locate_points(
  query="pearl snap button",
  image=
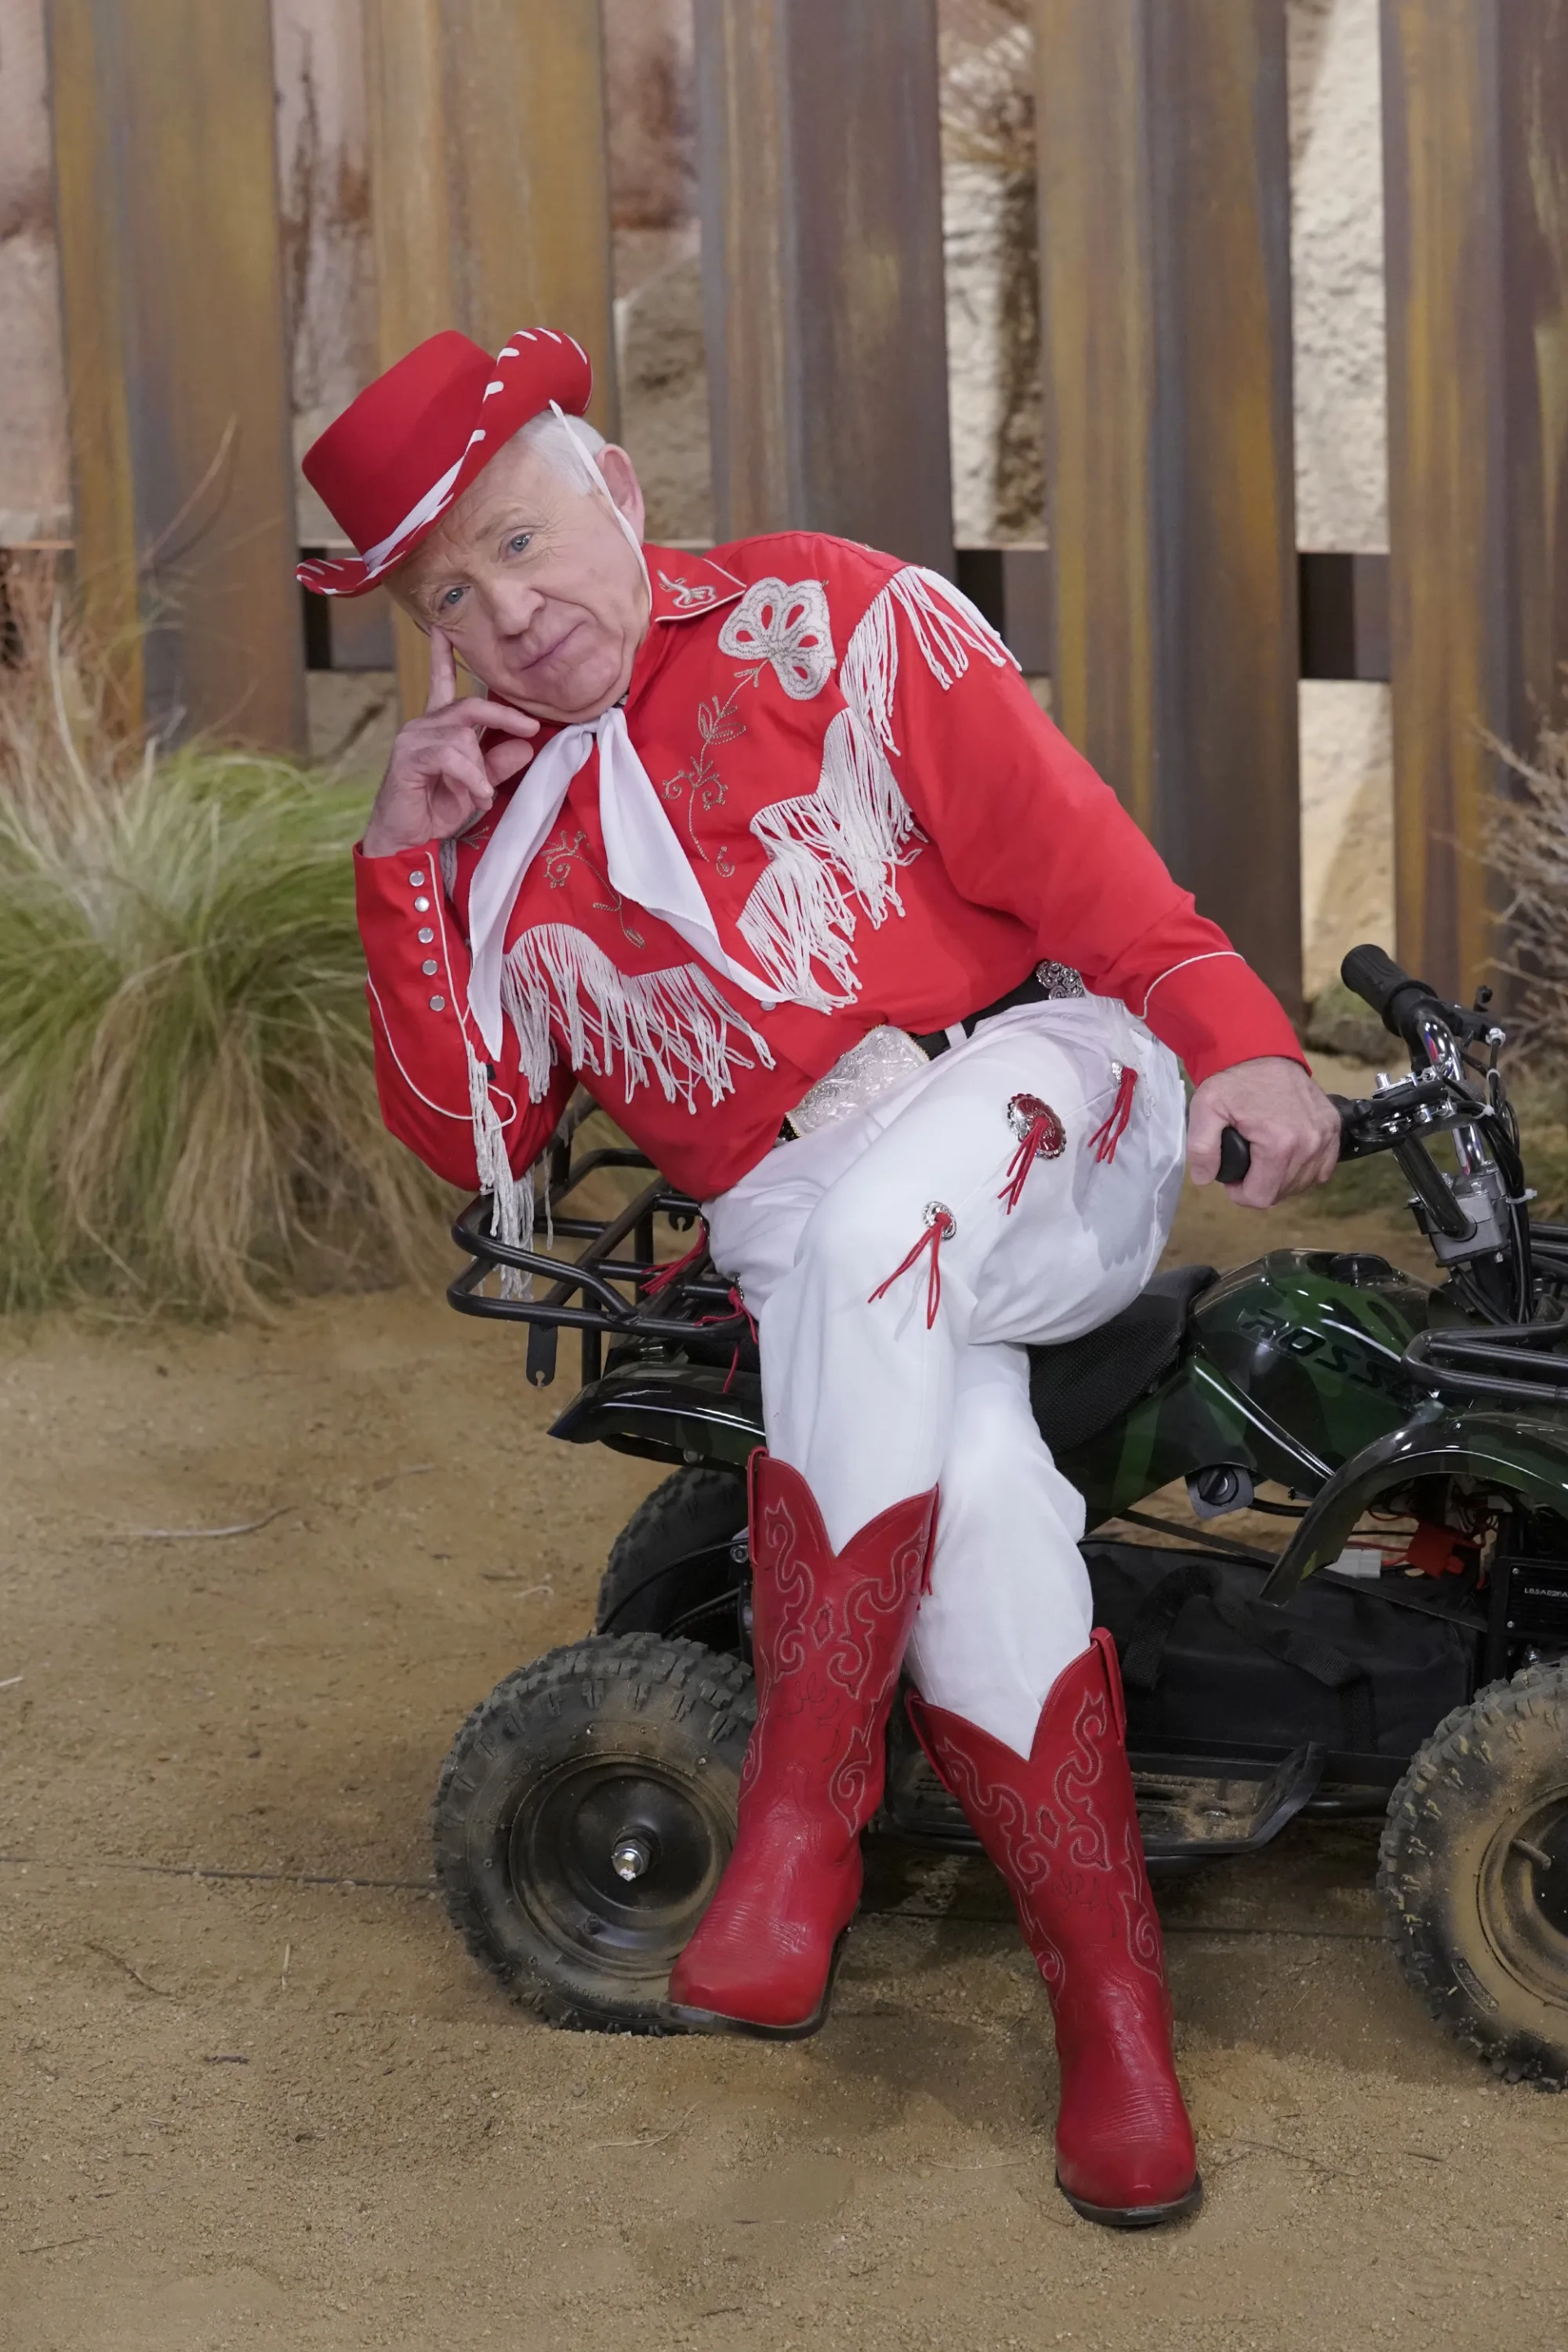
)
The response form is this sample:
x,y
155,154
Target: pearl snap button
x,y
429,966
417,878
438,1004
426,935
421,906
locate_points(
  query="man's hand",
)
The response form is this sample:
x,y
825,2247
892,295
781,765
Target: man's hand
x,y
437,779
1291,1125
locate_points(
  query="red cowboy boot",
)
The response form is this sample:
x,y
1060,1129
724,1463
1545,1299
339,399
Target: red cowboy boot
x,y
1063,1830
828,1632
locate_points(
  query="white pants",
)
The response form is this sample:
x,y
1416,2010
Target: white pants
x,y
870,1402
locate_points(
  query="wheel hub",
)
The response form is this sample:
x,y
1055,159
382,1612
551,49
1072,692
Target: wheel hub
x,y
617,1860
630,1856
1524,1898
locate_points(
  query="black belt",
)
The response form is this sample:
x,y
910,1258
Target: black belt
x,y
1047,980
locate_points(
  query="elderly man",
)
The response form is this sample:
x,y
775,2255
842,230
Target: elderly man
x,y
772,851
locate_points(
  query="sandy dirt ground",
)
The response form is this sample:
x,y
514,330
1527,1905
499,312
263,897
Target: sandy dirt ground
x,y
255,2094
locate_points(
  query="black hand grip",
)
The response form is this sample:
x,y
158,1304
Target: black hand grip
x,y
1235,1156
1400,1003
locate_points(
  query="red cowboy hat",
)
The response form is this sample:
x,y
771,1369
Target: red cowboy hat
x,y
414,440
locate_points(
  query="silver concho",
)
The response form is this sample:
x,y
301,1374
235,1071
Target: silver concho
x,y
1028,1111
1059,980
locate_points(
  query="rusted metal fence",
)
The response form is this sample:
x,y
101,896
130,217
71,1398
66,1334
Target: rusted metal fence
x,y
1169,609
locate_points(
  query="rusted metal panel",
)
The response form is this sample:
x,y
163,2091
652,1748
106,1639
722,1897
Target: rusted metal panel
x,y
167,207
1164,147
489,189
1475,158
821,174
1440,108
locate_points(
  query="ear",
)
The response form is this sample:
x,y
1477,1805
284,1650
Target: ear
x,y
621,480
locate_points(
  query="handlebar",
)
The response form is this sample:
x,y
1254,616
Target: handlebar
x,y
1400,1003
1235,1156
1404,1006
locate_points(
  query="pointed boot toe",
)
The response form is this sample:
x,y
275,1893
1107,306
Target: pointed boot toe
x,y
1061,1826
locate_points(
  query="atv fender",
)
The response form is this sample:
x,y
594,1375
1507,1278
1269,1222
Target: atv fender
x,y
1528,1457
668,1412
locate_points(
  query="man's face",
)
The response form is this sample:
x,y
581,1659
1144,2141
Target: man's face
x,y
536,585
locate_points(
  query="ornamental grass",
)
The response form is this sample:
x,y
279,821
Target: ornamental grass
x,y
187,1111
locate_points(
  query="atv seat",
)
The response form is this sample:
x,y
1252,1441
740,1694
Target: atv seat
x,y
1080,1386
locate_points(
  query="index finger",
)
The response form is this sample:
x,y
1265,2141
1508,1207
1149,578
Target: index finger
x,y
1205,1124
443,671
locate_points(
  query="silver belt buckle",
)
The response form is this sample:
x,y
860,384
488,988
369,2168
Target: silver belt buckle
x,y
883,1059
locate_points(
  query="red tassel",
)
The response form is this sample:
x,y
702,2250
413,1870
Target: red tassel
x,y
1107,1136
737,1306
665,1275
940,1225
1036,1134
1040,1136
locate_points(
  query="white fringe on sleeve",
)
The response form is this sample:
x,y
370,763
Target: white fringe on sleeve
x,y
512,1216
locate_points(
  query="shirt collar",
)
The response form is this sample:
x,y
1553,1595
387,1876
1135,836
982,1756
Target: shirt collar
x,y
686,585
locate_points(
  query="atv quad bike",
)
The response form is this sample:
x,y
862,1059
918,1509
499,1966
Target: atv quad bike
x,y
1404,1650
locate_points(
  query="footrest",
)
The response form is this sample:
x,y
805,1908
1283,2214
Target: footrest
x,y
1184,1814
1187,1816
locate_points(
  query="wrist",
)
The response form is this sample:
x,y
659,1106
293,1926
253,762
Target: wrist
x,y
382,841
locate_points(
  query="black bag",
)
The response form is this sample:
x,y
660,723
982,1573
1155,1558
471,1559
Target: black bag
x,y
1204,1660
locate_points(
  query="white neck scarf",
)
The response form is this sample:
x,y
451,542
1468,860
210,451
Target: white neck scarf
x,y
647,863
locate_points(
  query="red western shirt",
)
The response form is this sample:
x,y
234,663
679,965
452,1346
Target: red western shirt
x,y
885,826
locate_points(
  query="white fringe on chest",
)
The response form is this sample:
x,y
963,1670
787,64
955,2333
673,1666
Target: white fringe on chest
x,y
672,1028
829,850
841,846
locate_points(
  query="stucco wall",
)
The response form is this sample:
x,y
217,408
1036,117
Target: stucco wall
x,y
35,493
1341,461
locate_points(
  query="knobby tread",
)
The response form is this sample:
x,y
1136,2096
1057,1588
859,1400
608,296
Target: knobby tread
x,y
1466,1744
681,1674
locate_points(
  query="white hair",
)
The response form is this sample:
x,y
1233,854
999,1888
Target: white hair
x,y
570,447
559,439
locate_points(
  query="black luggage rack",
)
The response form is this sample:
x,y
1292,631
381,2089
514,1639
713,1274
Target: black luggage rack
x,y
696,1312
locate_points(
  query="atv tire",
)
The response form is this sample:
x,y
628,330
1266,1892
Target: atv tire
x,y
584,1817
672,1568
1474,1875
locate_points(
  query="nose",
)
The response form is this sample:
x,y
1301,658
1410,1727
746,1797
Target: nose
x,y
514,606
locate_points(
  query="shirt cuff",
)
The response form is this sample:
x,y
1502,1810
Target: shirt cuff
x,y
1215,1012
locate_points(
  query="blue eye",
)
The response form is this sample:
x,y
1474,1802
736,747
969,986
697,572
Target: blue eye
x,y
518,543
450,598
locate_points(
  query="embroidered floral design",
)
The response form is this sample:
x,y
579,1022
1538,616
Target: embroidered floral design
x,y
698,783
558,857
788,626
558,861
688,594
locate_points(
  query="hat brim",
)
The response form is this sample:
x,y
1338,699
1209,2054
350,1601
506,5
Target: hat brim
x,y
534,367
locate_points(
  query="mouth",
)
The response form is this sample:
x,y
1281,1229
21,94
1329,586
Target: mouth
x,y
537,661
